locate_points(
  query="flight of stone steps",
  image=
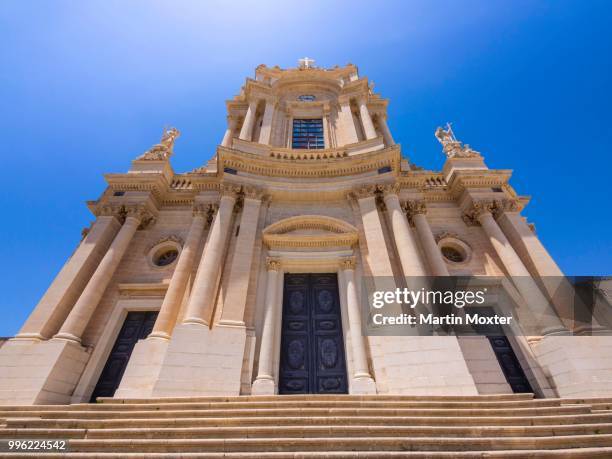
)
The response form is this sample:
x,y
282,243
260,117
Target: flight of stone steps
x,y
338,426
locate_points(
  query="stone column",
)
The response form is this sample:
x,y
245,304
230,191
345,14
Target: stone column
x,y
246,133
382,122
81,313
264,383
349,132
366,119
377,249
537,260
240,272
53,308
362,380
176,290
229,132
482,212
266,126
405,242
203,294
416,210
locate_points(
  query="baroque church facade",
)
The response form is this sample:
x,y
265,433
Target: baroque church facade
x,y
243,277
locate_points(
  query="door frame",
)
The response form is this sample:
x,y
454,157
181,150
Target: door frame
x,y
306,263
104,345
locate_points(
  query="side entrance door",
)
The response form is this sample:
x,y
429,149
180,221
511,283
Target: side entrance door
x,y
137,325
312,359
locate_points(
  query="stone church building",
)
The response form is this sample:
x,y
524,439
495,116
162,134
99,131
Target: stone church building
x,y
244,276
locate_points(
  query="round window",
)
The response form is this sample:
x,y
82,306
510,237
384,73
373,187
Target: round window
x,y
166,257
453,254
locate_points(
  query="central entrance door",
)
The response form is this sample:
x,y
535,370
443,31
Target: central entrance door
x,y
312,348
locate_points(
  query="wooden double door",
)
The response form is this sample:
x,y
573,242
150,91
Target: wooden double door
x,y
137,325
312,358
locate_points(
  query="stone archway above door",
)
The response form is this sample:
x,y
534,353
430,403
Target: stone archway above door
x,y
310,231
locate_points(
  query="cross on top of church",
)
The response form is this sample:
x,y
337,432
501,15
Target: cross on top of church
x,y
306,63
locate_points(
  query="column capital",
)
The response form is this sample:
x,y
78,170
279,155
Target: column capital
x,y
229,190
348,263
364,191
477,209
389,189
414,207
207,211
273,264
506,205
253,192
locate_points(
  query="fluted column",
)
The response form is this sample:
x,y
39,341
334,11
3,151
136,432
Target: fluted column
x,y
266,125
482,212
203,294
366,119
176,290
360,361
81,313
407,248
416,210
229,132
246,133
264,383
240,272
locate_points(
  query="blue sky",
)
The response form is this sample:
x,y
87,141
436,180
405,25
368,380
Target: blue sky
x,y
87,86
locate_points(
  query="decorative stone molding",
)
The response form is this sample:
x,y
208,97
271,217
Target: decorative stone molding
x,y
273,264
447,240
348,263
163,150
262,164
123,211
169,238
335,233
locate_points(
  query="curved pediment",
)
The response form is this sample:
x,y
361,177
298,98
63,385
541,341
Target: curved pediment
x,y
310,231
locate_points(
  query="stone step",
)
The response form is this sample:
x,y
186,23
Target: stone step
x,y
301,431
254,445
290,404
326,397
72,423
95,414
574,453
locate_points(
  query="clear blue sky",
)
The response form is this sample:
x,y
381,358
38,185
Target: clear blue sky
x,y
87,86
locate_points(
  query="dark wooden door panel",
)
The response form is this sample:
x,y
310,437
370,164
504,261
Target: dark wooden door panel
x,y
312,347
137,325
509,364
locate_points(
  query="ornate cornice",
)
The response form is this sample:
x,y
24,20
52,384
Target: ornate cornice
x,y
258,164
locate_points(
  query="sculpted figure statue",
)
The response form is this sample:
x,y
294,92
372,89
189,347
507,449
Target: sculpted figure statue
x,y
452,147
163,150
169,136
